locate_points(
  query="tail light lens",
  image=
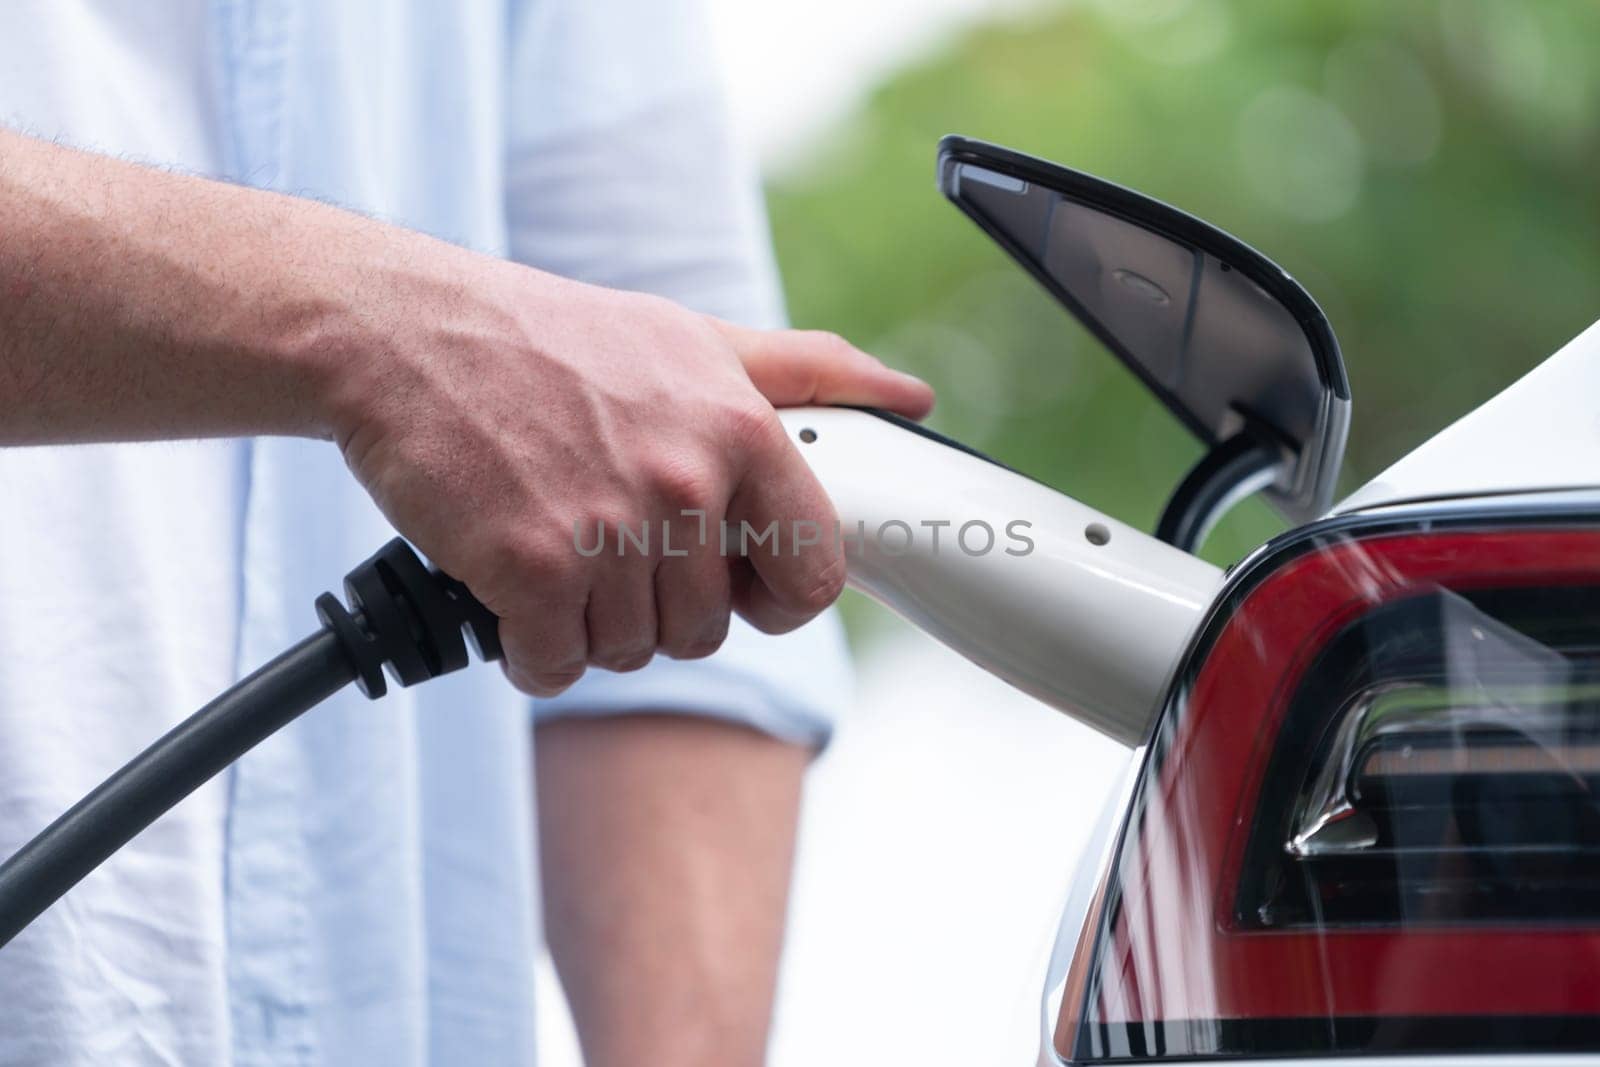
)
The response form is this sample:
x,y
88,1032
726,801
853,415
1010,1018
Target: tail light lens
x,y
1370,818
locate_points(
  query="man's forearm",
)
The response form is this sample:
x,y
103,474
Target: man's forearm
x,y
666,847
139,304
136,304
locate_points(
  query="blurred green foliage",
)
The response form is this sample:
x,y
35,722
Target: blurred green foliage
x,y
1426,169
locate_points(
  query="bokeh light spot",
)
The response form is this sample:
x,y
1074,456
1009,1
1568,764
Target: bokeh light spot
x,y
1300,155
1382,88
1174,32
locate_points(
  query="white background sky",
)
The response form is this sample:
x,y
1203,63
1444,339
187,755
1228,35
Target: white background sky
x,y
945,821
794,66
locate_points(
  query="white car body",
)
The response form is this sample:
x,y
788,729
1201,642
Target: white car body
x,y
1540,434
1536,443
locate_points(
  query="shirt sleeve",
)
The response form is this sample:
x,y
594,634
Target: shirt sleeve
x,y
623,170
789,687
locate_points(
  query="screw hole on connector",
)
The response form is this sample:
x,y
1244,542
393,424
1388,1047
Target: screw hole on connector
x,y
808,435
1097,533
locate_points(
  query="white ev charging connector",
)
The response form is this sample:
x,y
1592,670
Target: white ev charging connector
x,y
1067,604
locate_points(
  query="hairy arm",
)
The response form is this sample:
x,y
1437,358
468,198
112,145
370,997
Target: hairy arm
x,y
137,304
666,847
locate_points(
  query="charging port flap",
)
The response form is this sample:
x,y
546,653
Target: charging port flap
x,y
1222,335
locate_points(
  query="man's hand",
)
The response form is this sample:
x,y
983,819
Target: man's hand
x,y
505,416
491,410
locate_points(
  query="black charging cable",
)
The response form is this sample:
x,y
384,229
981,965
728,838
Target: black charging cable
x,y
402,615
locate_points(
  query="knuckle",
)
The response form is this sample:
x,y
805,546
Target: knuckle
x,y
700,645
543,567
549,683
699,649
518,677
753,427
832,345
536,679
637,660
529,653
550,567
599,531
684,483
690,644
772,623
825,584
628,657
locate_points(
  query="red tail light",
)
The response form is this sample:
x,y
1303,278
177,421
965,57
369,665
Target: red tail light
x,y
1370,819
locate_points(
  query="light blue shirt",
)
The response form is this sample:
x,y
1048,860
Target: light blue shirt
x,y
361,888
